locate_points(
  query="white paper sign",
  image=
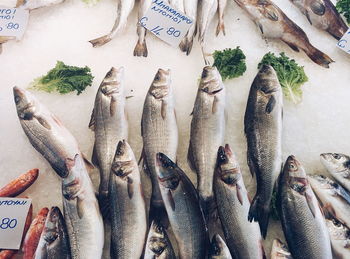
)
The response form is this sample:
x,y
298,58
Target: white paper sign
x,y
13,214
167,23
344,42
13,21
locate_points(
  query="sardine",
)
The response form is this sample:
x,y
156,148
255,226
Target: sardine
x,y
263,130
334,199
340,239
207,132
109,123
190,8
218,249
274,23
182,205
54,242
338,165
124,9
159,131
242,237
221,11
280,250
35,4
302,220
158,245
141,47
323,15
51,139
128,208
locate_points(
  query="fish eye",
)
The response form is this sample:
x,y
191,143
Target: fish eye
x,y
17,99
157,78
336,156
291,166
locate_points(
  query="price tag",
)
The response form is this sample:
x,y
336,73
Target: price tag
x,y
13,214
344,42
167,23
13,21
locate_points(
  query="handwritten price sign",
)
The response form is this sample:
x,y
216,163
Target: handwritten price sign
x,y
344,42
13,22
13,214
167,23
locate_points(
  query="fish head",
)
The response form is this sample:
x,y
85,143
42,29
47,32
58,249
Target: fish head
x,y
25,103
217,246
228,167
338,232
319,182
160,87
167,172
113,82
266,80
53,225
295,174
211,82
123,163
157,242
279,250
335,162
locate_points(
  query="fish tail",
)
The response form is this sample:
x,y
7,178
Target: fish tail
x,y
141,49
220,28
20,3
259,212
186,45
98,42
318,56
158,214
208,207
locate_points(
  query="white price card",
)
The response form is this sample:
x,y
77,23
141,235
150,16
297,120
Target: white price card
x,y
167,23
13,214
344,42
13,22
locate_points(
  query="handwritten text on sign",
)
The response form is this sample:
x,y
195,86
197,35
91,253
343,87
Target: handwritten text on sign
x,y
166,22
344,42
13,22
13,214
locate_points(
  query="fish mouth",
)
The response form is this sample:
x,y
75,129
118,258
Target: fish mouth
x,y
121,148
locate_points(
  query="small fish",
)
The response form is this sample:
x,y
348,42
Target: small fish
x,y
340,239
302,221
221,12
124,9
54,242
182,206
263,130
158,245
334,199
338,165
35,4
141,47
274,23
190,8
323,15
280,250
218,249
20,184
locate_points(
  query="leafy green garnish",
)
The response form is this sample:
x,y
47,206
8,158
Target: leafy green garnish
x,y
273,206
64,79
343,6
91,2
290,75
230,62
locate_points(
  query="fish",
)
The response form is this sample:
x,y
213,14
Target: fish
x,y
218,249
190,8
221,11
338,165
280,250
20,184
32,237
110,125
274,23
340,238
182,206
58,146
263,130
323,15
159,132
128,208
141,46
54,241
7,254
334,199
302,220
207,132
35,4
243,238
124,9
158,244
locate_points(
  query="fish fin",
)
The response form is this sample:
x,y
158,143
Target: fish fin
x,y
186,45
170,198
271,13
104,205
141,49
328,208
88,164
113,107
163,109
98,42
80,210
208,207
259,212
239,193
291,45
318,56
130,187
310,203
43,122
220,28
317,7
308,16
190,159
92,120
251,165
20,3
141,156
94,159
158,214
270,104
215,105
262,250
260,27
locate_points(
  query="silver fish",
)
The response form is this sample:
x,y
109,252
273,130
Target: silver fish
x,y
263,130
124,9
340,239
207,131
302,220
141,47
182,206
242,237
338,165
323,15
158,245
190,7
54,240
128,208
221,11
51,139
280,250
218,249
109,123
334,199
159,130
